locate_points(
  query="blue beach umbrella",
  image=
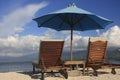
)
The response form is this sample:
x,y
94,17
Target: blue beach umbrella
x,y
72,18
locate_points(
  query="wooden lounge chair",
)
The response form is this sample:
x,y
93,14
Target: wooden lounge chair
x,y
96,53
50,58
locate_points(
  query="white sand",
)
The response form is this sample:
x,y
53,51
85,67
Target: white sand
x,y
102,75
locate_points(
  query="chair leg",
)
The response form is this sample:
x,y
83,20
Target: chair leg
x,y
64,73
113,71
52,73
33,68
83,69
42,75
73,68
95,72
87,71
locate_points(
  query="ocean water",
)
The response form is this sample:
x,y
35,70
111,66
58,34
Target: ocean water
x,y
27,66
15,66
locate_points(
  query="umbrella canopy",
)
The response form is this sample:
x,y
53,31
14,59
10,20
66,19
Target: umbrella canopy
x,y
72,18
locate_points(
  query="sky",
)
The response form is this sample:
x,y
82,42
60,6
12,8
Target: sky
x,y
20,36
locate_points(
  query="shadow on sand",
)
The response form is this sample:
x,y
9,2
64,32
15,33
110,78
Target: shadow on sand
x,y
37,75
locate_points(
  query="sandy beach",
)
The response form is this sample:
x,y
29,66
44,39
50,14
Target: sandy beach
x,y
103,74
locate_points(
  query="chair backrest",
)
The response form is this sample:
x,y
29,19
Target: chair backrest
x,y
50,52
96,51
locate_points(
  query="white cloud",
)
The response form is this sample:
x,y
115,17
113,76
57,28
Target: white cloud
x,y
79,42
113,36
98,32
19,46
50,33
16,20
15,46
20,29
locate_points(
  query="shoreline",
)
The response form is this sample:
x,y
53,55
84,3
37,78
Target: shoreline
x,y
103,74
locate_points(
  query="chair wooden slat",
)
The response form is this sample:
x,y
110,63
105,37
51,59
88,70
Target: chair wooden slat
x,y
50,56
96,54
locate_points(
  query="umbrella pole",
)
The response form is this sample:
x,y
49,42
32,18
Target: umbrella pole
x,y
71,44
71,50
